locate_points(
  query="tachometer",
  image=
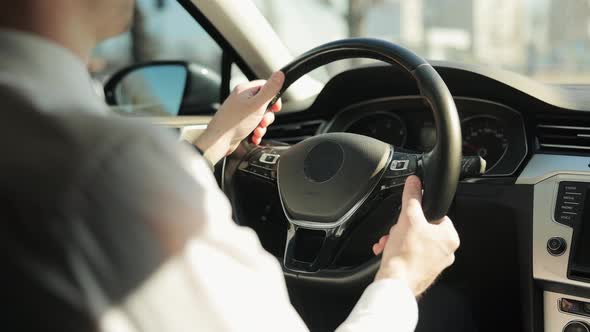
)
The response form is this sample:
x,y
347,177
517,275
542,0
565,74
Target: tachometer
x,y
384,126
483,135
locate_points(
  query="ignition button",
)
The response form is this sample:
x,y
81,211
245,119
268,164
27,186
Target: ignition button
x,y
556,246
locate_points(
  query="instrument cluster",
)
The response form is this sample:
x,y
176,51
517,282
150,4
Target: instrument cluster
x,y
491,130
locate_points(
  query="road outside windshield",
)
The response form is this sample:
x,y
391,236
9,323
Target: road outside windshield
x,y
548,40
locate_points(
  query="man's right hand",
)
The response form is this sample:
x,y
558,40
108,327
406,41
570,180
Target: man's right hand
x,y
415,250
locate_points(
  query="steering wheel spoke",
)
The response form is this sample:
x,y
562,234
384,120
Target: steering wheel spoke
x,y
308,250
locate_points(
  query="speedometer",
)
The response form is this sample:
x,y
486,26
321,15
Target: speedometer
x,y
483,135
384,126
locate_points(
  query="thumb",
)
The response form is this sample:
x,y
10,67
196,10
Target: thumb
x,y
270,89
412,196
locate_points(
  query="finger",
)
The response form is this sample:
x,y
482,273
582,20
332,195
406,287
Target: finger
x,y
259,132
451,260
412,192
254,86
383,240
270,89
378,249
256,140
267,119
380,246
450,233
445,223
277,106
412,200
442,221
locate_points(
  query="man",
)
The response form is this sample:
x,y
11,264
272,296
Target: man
x,y
109,225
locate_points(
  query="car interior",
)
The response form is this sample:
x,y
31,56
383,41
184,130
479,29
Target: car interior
x,y
505,156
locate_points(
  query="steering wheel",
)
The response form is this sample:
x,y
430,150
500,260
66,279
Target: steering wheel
x,y
328,183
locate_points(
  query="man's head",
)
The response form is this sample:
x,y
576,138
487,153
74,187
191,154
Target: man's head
x,y
76,24
109,17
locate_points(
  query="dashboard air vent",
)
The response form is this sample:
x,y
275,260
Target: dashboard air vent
x,y
293,133
563,133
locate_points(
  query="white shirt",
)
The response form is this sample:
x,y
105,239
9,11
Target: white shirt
x,y
211,275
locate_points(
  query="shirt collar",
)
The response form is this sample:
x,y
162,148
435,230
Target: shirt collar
x,y
51,76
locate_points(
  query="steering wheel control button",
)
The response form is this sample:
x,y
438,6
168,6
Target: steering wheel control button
x,y
570,202
323,162
399,165
556,246
393,183
576,326
261,172
268,158
261,163
402,165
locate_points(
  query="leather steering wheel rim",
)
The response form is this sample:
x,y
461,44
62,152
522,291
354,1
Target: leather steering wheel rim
x,y
312,200
441,165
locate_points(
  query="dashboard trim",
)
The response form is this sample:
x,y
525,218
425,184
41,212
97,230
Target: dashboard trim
x,y
329,126
566,146
545,172
545,166
556,319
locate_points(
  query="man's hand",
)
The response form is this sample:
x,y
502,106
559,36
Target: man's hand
x,y
242,113
416,251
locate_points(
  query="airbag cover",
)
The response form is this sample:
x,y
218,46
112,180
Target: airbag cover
x,y
324,177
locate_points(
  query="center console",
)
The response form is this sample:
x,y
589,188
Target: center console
x,y
561,239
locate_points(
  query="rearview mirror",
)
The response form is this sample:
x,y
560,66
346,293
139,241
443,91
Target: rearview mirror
x,y
163,88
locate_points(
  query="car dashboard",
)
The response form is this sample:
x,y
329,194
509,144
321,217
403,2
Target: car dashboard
x,y
491,130
522,264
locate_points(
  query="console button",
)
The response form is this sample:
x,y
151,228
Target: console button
x,y
569,202
556,246
576,326
566,219
571,306
574,307
573,187
571,198
570,207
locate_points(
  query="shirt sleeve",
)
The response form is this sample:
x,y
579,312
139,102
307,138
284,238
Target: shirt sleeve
x,y
385,303
162,253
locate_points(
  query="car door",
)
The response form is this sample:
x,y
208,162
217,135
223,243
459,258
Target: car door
x,y
171,31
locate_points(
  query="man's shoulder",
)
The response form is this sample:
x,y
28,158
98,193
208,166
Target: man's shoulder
x,y
46,151
26,120
27,123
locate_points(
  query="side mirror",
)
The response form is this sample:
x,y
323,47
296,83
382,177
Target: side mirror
x,y
163,88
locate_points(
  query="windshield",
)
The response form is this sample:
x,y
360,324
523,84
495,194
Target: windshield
x,y
548,40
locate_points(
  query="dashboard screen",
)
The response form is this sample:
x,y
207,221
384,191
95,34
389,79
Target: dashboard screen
x,y
580,259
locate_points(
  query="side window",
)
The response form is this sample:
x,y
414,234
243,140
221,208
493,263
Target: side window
x,y
162,30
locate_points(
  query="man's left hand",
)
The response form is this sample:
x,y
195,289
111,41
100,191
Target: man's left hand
x,y
243,113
